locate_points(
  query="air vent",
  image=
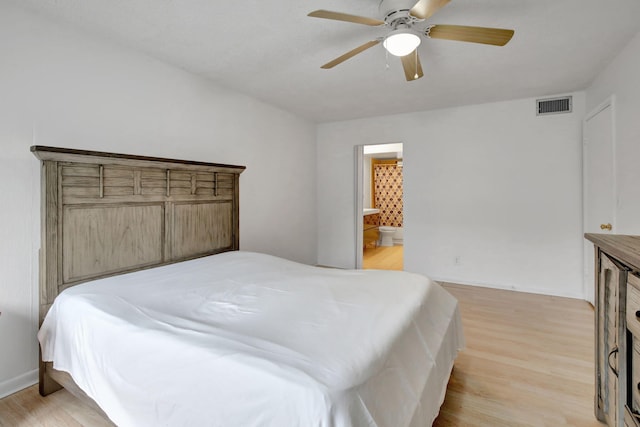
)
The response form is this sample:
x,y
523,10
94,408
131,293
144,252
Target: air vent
x,y
553,106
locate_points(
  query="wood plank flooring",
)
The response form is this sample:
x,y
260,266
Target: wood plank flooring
x,y
528,362
60,409
383,258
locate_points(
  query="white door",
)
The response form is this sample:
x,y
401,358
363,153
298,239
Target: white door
x,y
599,198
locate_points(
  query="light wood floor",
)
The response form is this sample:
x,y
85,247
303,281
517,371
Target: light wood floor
x,y
528,362
60,409
383,258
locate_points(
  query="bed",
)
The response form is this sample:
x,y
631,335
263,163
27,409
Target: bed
x,y
151,314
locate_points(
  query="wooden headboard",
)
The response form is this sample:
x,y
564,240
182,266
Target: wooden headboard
x,y
105,214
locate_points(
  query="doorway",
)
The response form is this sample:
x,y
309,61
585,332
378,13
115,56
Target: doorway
x,y
379,206
599,194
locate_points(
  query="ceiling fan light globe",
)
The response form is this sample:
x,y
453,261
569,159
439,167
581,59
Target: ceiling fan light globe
x,y
401,43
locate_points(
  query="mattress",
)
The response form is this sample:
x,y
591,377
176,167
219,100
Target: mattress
x,y
247,339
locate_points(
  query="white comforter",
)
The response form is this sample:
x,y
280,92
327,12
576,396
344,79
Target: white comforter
x,y
246,339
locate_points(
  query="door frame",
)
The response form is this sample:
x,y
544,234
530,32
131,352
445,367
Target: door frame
x,y
607,103
359,192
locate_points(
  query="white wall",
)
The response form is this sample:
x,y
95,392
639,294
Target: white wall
x,y
493,184
621,78
62,88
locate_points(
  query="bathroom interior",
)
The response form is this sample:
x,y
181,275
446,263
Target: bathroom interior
x,y
382,207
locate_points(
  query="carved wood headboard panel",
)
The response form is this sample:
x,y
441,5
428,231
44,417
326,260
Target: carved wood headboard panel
x,y
105,214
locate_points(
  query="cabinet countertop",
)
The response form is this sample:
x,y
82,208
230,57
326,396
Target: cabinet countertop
x,y
625,248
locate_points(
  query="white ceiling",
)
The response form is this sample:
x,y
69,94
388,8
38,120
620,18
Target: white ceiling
x,y
272,51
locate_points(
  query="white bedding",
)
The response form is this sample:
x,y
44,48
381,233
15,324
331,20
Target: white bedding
x,y
246,339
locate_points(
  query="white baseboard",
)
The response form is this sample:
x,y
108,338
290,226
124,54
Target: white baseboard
x,y
18,383
539,291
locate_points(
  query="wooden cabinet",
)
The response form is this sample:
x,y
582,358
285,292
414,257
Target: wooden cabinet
x,y
370,232
608,313
617,329
370,235
632,410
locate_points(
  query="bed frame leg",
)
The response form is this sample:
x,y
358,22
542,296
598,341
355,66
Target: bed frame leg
x,y
47,384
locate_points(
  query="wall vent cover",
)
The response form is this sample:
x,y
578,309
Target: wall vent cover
x,y
553,106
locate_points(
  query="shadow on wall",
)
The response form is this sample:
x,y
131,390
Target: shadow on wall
x,y
13,326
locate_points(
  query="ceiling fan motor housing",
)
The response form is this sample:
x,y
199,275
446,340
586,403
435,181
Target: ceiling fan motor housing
x,y
396,12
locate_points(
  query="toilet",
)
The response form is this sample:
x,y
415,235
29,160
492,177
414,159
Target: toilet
x,y
386,235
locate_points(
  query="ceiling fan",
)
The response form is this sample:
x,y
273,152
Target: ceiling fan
x,y
406,23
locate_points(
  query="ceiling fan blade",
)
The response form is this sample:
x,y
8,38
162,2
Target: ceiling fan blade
x,y
327,14
412,66
350,54
424,9
493,36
